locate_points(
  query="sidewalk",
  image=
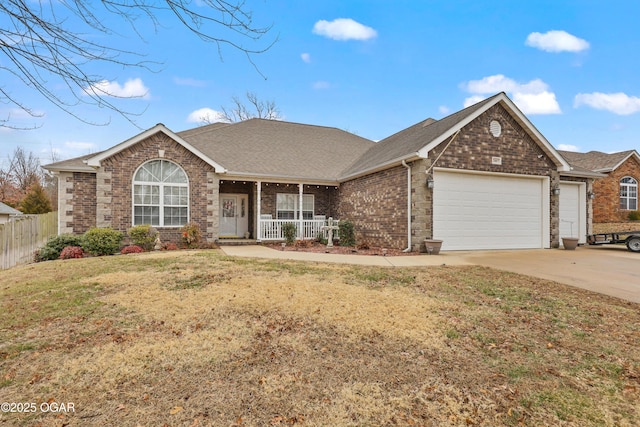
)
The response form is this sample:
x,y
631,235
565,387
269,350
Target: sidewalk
x,y
257,251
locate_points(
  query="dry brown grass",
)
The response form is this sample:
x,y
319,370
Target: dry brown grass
x,y
194,338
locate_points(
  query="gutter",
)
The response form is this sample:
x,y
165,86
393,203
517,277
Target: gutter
x,y
408,249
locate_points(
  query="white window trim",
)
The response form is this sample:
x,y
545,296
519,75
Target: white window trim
x,y
296,208
627,198
161,195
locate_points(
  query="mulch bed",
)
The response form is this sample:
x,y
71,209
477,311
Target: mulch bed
x,y
317,247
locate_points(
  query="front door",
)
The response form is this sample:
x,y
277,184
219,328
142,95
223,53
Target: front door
x,y
234,218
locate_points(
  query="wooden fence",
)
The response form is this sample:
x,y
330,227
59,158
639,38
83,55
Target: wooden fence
x,y
21,236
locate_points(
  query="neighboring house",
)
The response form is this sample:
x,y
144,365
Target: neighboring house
x,y
617,193
482,178
7,212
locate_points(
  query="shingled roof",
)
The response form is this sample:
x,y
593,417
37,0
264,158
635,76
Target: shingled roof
x,y
271,148
598,161
8,210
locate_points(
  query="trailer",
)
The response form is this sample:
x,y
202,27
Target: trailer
x,y
629,238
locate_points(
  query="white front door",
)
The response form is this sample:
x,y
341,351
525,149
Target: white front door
x,y
234,215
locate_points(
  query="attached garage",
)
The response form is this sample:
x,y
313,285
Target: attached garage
x,y
573,215
490,211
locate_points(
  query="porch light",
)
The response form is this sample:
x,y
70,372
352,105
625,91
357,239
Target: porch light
x,y
556,191
591,195
430,182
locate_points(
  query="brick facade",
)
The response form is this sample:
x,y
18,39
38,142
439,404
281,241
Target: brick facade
x,y
115,184
76,202
606,206
377,206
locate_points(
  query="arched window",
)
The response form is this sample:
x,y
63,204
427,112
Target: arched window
x,y
160,194
628,193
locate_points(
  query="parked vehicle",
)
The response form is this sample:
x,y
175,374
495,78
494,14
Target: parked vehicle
x,y
630,238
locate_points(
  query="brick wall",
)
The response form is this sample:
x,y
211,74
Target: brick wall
x,y
83,202
122,166
606,206
377,205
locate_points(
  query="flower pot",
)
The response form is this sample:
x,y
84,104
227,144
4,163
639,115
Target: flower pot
x,y
570,243
432,246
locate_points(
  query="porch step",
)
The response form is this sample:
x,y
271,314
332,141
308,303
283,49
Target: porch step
x,y
236,242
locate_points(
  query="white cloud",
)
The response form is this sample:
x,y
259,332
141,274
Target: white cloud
x,y
205,115
306,57
344,29
133,88
568,147
556,41
532,97
319,85
617,103
443,109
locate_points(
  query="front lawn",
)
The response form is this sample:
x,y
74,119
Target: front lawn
x,y
195,338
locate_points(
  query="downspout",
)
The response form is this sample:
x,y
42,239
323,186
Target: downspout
x,y
408,249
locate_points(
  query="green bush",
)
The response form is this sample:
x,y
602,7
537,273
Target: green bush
x,y
144,236
347,233
102,241
54,246
290,231
634,215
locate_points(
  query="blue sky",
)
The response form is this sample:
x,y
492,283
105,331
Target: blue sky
x,y
374,68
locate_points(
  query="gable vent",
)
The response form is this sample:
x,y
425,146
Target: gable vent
x,y
495,128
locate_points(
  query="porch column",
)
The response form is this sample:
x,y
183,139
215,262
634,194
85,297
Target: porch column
x,y
300,219
259,211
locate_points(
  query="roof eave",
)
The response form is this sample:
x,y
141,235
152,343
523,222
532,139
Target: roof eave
x,y
395,162
583,174
634,153
285,179
96,160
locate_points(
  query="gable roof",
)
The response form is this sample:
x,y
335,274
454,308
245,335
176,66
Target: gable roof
x,y
598,161
418,140
8,210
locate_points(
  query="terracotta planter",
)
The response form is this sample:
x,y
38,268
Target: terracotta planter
x,y
570,243
432,246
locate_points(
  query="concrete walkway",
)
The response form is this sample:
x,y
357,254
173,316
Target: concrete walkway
x,y
609,270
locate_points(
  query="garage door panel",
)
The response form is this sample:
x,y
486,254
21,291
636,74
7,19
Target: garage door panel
x,y
487,211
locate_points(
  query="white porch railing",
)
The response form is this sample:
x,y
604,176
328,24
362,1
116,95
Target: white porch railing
x,y
271,229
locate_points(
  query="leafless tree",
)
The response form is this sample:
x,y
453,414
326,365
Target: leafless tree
x,y
24,169
253,108
46,44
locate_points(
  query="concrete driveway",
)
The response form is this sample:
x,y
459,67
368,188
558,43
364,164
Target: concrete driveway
x,y
607,269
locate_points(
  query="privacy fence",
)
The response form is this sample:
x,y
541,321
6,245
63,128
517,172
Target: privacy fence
x,y
21,236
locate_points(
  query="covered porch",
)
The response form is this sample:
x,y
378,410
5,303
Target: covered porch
x,y
259,209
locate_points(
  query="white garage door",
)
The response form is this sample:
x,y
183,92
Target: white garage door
x,y
481,211
573,211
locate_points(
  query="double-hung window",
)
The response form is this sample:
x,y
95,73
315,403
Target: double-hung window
x,y
287,206
160,195
628,193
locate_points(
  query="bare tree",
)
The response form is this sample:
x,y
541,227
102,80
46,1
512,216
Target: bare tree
x,y
253,108
45,44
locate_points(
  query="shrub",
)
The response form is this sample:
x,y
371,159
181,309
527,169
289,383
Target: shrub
x,y
102,241
144,236
321,239
169,246
634,215
347,233
54,246
72,252
289,230
131,249
191,234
